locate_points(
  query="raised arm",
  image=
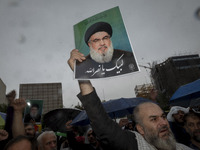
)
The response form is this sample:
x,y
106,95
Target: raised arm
x,y
85,85
106,129
18,125
9,117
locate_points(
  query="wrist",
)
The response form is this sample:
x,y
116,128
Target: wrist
x,y
18,111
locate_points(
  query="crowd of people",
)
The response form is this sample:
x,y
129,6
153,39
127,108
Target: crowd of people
x,y
150,129
19,134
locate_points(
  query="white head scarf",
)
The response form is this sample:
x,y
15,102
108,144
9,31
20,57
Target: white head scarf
x,y
174,110
86,137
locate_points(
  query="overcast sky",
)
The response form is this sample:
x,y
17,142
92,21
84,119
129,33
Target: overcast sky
x,y
36,37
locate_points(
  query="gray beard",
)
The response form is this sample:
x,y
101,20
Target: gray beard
x,y
102,58
162,144
33,115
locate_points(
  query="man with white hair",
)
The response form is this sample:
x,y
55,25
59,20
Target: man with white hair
x,y
47,141
103,60
175,118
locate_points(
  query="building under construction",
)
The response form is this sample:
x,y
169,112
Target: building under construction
x,y
174,72
144,90
50,93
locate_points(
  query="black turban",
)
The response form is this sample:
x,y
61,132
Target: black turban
x,y
35,105
97,27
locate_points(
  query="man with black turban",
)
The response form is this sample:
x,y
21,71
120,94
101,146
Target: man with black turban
x,y
34,115
104,60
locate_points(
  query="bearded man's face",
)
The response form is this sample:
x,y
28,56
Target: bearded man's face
x,y
101,48
154,127
192,127
34,112
166,142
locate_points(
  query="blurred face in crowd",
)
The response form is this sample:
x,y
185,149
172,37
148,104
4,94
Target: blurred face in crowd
x,y
192,126
101,48
34,112
178,117
130,126
21,145
48,141
30,130
154,127
91,137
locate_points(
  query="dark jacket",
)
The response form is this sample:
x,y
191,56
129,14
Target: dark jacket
x,y
108,131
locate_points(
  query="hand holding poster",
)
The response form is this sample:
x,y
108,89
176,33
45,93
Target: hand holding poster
x,y
103,40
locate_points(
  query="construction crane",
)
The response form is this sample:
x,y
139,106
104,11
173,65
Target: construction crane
x,y
146,67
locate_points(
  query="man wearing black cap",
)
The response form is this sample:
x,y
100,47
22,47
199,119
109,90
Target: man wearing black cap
x,y
104,60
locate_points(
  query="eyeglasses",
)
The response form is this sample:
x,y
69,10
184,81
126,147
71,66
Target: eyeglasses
x,y
104,39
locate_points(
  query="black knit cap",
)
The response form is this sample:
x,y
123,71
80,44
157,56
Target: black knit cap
x,y
97,27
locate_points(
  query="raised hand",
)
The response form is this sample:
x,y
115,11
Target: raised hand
x,y
3,134
75,55
19,104
68,125
11,96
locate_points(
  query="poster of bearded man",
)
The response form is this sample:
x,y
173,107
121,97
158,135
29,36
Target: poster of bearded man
x,y
104,42
33,111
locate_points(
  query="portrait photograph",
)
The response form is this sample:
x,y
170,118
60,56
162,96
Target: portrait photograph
x,y
33,111
104,41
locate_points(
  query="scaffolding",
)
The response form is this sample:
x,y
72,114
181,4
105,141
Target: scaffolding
x,y
144,90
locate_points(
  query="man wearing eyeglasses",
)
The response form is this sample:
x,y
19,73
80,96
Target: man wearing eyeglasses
x,y
103,60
